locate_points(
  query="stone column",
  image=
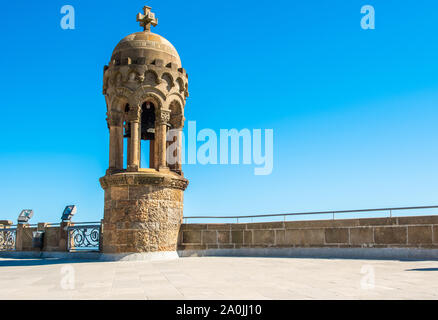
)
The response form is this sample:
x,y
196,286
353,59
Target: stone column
x,y
134,119
178,165
172,143
115,124
180,125
139,143
152,154
128,153
160,136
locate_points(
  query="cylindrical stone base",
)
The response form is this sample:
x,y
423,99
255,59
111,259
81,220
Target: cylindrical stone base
x,y
143,212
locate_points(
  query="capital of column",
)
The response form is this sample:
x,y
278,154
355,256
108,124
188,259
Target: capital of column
x,y
114,118
163,117
134,114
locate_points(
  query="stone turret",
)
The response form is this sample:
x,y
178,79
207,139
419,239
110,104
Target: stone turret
x,y
145,88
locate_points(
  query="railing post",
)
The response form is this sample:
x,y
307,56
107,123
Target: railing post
x,y
63,236
70,239
19,237
101,236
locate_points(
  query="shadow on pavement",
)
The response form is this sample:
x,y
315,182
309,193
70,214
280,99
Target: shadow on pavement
x,y
423,269
7,262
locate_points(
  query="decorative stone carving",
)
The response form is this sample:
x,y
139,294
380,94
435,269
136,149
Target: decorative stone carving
x,y
114,118
140,78
132,76
134,114
137,179
143,94
118,80
123,92
147,19
163,116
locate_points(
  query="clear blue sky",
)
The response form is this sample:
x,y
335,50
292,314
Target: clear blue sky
x,y
354,112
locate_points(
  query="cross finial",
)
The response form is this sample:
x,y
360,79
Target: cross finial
x,y
147,19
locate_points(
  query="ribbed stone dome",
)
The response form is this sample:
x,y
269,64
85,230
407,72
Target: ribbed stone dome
x,y
146,45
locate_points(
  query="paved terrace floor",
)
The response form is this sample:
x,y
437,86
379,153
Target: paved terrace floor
x,y
219,278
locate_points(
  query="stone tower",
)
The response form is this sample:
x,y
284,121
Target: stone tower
x,y
145,88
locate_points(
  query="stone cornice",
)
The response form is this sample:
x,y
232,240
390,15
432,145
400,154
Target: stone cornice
x,y
133,179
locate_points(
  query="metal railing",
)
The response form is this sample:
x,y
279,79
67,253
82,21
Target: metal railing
x,y
84,236
7,238
332,214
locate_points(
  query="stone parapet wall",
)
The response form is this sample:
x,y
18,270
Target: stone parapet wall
x,y
24,238
399,232
419,232
55,237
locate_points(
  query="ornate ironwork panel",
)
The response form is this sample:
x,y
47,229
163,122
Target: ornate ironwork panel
x,y
84,238
7,239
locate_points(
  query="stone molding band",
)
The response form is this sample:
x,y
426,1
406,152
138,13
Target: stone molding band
x,y
131,179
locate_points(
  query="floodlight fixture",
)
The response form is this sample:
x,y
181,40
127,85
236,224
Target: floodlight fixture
x,y
68,213
25,215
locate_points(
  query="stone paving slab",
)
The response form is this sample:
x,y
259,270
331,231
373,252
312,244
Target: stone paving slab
x,y
219,278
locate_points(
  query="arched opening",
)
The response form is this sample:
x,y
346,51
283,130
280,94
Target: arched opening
x,y
147,159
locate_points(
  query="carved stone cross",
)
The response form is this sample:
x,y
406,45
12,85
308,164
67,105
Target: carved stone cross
x,y
147,19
